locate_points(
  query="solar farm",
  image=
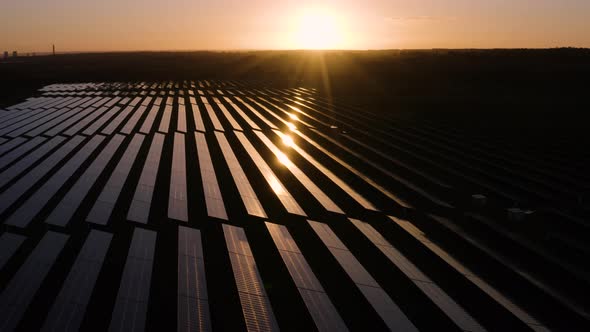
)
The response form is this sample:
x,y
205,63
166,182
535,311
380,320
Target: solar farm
x,y
233,205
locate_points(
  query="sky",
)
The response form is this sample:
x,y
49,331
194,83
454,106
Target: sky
x,y
124,25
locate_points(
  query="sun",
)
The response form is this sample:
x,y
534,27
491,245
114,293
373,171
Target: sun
x,y
318,30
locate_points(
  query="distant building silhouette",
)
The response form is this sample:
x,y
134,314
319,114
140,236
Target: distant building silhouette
x,y
5,54
14,54
53,49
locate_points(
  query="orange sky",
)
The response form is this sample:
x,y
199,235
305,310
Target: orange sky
x,y
82,25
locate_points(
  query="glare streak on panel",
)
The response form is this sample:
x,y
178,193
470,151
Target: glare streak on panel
x,y
246,118
165,122
64,211
323,312
130,310
213,198
148,123
358,173
235,125
216,124
9,244
310,185
447,305
103,207
19,292
14,192
69,307
391,314
258,313
23,216
193,300
114,123
199,124
260,116
140,205
177,200
181,125
279,189
21,150
469,274
101,121
251,201
338,181
132,122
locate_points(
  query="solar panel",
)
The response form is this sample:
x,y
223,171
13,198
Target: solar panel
x,y
337,180
9,244
258,313
132,122
235,125
116,122
103,207
391,314
70,304
193,301
23,216
455,312
19,292
181,126
101,121
19,151
177,200
273,181
66,208
310,185
11,194
130,309
213,198
249,198
140,205
199,124
321,309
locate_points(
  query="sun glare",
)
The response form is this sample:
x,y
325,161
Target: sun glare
x,y
318,30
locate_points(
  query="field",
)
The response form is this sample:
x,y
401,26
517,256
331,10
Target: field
x,y
416,190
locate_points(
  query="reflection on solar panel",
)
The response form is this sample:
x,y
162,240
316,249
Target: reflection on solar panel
x,y
391,314
249,198
90,161
258,313
273,181
317,301
315,191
